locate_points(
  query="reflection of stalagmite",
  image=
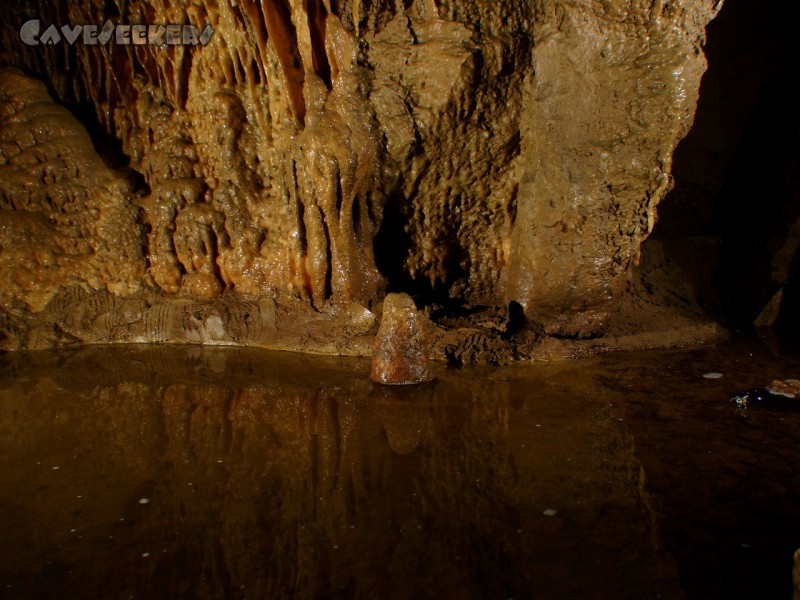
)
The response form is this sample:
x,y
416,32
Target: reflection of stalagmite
x,y
403,416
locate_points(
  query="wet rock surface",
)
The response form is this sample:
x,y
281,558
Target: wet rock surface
x,y
403,346
66,219
612,96
310,154
789,388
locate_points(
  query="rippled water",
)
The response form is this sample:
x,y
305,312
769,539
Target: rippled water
x,y
226,473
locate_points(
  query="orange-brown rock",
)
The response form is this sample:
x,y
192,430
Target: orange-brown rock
x,y
403,348
318,153
65,218
611,99
789,387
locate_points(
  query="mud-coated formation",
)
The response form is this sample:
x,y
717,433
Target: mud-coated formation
x,y
615,89
315,155
403,347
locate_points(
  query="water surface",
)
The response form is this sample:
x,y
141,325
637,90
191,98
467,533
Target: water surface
x,y
159,472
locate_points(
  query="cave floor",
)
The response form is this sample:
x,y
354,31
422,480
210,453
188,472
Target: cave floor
x,y
186,472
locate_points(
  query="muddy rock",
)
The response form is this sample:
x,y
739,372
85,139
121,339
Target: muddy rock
x,y
790,388
319,154
65,217
611,98
403,347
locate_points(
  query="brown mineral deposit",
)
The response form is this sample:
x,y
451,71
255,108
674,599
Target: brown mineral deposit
x,y
789,388
402,350
316,154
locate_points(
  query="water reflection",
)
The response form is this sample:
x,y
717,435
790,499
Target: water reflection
x,y
220,473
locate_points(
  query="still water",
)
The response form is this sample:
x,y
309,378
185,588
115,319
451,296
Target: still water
x,y
142,472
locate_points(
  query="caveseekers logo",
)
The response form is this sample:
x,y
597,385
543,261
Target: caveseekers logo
x,y
154,35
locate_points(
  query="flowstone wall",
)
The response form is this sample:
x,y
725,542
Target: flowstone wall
x,y
501,162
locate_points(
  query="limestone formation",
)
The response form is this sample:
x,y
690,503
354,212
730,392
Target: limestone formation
x,y
315,155
615,90
65,218
403,347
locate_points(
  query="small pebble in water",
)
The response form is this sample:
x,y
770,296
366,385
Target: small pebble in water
x,y
144,500
713,376
550,512
145,554
788,389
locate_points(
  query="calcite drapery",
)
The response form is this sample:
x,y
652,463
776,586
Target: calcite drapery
x,y
320,152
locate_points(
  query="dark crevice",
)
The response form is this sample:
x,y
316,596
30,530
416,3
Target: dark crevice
x,y
392,244
338,193
256,19
182,84
516,318
255,71
109,148
301,224
328,255
788,324
317,15
357,217
726,216
278,19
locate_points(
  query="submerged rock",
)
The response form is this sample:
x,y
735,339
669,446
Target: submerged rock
x,y
403,348
790,388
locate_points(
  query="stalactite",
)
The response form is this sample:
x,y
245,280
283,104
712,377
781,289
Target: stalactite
x,y
317,17
278,19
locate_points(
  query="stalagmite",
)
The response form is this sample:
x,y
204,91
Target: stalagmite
x,y
403,347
